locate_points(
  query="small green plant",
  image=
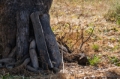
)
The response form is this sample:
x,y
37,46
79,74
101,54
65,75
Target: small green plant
x,y
95,47
8,76
94,60
89,30
114,60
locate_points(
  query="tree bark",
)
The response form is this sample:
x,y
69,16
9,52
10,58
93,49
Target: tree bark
x,y
33,55
50,41
40,40
22,33
21,21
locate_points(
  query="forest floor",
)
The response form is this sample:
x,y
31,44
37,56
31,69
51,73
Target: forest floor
x,y
68,17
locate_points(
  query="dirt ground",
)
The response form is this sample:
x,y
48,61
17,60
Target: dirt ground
x,y
67,19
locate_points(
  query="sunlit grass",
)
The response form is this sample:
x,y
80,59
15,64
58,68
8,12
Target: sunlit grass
x,y
114,12
68,17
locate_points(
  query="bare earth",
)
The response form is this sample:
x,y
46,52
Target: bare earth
x,y
69,17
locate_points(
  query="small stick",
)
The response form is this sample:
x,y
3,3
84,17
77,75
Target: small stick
x,y
82,37
63,61
62,47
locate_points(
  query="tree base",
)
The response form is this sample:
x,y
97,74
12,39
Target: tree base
x,y
36,52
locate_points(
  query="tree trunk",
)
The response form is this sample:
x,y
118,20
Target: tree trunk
x,y
26,38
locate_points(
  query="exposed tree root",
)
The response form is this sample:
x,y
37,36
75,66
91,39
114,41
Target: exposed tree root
x,y
34,70
6,60
33,55
40,41
51,42
12,54
27,60
19,62
18,56
19,52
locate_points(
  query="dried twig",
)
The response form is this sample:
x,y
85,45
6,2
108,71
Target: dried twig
x,y
63,61
82,37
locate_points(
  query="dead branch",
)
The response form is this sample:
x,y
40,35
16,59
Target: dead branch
x,y
82,38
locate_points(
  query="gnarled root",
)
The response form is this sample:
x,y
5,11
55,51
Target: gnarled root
x,y
34,70
24,53
12,54
51,42
6,60
33,55
40,41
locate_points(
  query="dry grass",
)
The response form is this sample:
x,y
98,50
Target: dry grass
x,y
67,19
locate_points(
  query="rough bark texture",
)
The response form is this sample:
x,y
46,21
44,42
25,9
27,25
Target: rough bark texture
x,y
33,55
22,33
20,23
50,41
40,41
8,19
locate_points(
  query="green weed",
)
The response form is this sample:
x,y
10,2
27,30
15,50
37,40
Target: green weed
x,y
114,60
95,47
8,76
89,30
116,47
94,60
